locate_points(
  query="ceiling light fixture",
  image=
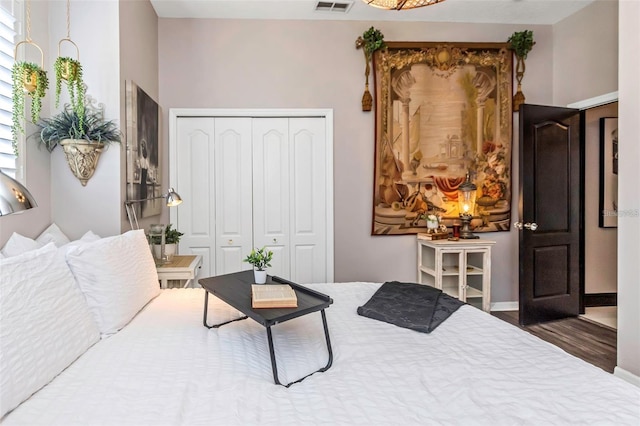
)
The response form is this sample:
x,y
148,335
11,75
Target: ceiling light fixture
x,y
400,4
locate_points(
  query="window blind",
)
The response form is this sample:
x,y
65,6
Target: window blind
x,y
7,45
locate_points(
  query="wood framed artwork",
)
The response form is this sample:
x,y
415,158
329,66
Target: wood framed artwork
x,y
143,152
608,172
442,110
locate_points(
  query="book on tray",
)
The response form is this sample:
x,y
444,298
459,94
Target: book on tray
x,y
273,296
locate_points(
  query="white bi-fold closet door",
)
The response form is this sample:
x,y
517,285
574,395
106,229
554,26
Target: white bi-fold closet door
x,y
253,182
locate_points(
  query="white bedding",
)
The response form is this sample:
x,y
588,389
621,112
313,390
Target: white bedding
x,y
165,368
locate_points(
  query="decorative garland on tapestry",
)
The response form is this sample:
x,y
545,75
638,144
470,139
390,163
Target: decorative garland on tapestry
x,y
442,110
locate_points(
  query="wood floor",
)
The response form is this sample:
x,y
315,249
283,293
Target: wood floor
x,y
588,340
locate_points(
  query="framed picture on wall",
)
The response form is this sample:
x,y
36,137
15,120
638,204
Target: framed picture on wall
x,y
608,172
143,151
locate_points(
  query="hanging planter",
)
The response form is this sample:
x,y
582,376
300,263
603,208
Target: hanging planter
x,y
82,144
69,70
82,157
521,43
28,79
370,41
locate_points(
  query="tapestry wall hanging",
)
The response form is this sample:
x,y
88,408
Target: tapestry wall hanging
x,y
442,110
143,172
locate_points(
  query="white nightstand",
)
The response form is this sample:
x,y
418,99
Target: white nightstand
x,y
180,268
461,269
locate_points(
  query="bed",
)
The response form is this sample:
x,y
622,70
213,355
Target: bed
x,y
163,367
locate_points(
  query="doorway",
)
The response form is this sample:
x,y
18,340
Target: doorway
x,y
601,276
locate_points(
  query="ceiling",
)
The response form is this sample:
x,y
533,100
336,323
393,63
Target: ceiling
x,y
543,12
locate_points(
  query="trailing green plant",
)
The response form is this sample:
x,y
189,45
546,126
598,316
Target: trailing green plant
x,y
68,124
20,73
260,258
521,42
373,40
70,70
171,236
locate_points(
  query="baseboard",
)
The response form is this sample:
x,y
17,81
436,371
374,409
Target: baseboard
x,y
590,300
504,306
600,299
626,376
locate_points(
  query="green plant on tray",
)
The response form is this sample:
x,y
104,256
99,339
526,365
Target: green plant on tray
x,y
260,258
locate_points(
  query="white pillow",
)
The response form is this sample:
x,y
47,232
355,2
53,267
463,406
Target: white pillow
x,y
89,236
45,323
117,276
54,235
19,244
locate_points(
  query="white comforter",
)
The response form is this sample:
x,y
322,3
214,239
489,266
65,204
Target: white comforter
x,y
165,368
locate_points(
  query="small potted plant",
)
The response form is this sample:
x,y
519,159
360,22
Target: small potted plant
x,y
260,259
28,79
171,240
82,136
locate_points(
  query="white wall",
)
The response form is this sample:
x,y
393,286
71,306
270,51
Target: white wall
x,y
36,169
629,174
585,57
314,64
94,28
139,63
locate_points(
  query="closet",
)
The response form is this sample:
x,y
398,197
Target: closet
x,y
252,181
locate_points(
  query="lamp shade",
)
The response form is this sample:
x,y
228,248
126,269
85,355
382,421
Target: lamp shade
x,y
400,4
14,197
172,198
467,197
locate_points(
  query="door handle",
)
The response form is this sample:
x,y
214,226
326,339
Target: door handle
x,y
519,226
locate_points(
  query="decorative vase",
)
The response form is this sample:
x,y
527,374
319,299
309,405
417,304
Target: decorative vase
x,y
433,224
170,250
260,277
82,157
69,70
30,82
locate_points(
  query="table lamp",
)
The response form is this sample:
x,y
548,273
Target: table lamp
x,y
172,199
466,206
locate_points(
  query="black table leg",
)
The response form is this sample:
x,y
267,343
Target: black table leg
x,y
206,310
272,354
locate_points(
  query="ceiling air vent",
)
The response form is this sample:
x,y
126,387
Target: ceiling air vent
x,y
334,6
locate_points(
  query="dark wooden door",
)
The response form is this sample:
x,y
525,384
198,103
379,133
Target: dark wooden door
x,y
551,182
